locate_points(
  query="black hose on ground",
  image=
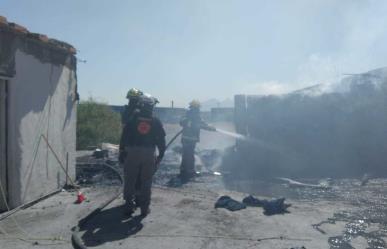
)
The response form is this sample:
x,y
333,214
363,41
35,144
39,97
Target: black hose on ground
x,y
75,239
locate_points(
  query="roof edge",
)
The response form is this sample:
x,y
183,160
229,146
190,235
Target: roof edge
x,y
24,33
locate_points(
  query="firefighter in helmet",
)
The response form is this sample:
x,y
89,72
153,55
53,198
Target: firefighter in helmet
x,y
130,111
132,107
192,123
140,137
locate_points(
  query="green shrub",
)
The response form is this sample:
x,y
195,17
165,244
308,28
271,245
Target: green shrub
x,y
97,123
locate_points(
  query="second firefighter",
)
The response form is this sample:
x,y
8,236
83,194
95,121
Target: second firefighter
x,y
192,123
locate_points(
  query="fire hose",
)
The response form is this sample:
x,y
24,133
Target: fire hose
x,y
173,139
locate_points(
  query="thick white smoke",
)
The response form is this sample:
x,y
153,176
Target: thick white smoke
x,y
356,41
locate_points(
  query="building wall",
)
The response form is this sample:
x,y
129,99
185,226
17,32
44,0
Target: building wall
x,y
169,115
42,101
165,114
3,150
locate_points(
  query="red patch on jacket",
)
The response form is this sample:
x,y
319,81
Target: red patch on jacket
x,y
143,128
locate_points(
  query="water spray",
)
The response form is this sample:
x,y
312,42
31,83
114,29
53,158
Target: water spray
x,y
241,137
232,134
254,141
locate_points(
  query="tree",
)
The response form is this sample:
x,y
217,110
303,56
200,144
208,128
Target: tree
x,y
97,123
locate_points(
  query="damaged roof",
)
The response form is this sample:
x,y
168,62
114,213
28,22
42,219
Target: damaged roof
x,y
14,37
22,31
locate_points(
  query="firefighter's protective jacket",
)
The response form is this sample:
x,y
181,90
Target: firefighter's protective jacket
x,y
192,123
143,132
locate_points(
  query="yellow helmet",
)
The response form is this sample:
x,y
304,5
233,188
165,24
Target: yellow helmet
x,y
134,92
194,104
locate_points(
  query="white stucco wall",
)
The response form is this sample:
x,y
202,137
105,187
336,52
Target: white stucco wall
x,y
3,151
41,101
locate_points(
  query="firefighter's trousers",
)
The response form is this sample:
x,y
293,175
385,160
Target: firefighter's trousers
x,y
139,164
187,167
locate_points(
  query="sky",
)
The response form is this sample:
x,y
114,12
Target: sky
x,y
204,49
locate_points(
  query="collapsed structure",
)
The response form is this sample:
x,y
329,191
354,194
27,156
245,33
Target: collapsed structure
x,y
38,97
323,131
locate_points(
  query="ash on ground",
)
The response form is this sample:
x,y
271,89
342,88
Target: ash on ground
x,y
365,219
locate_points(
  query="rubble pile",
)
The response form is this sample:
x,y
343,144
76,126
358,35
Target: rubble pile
x,y
93,167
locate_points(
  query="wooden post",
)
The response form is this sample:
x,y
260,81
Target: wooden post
x,y
58,160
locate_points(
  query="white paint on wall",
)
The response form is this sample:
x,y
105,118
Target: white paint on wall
x,y
41,102
3,151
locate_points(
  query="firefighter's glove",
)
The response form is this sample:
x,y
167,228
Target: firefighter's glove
x,y
122,157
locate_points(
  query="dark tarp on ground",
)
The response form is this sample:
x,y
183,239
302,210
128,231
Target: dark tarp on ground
x,y
228,203
271,207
